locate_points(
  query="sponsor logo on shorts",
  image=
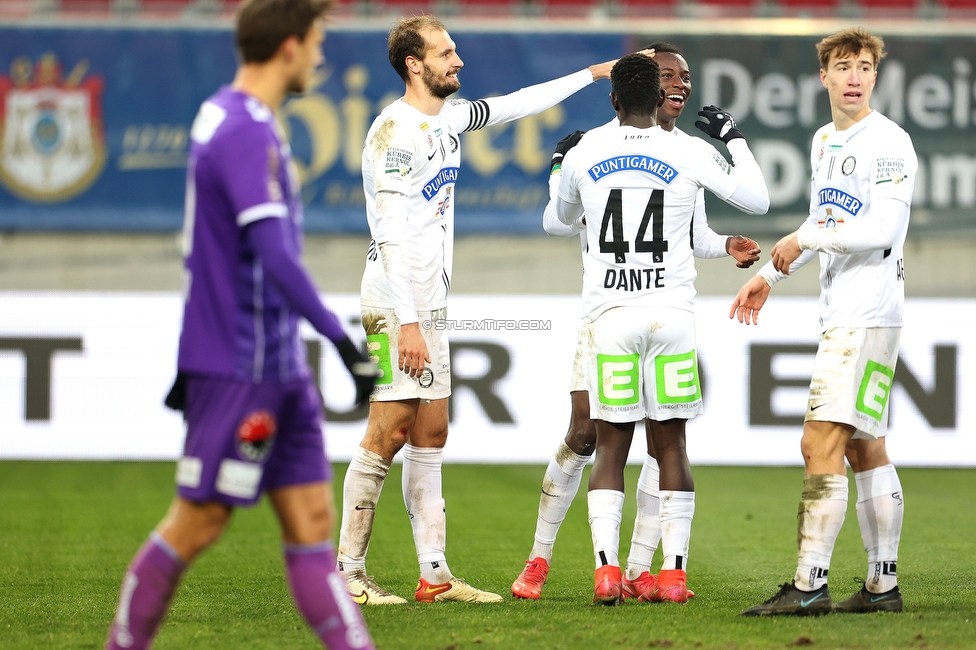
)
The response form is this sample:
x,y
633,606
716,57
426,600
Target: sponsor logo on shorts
x,y
619,379
677,378
872,396
256,434
426,378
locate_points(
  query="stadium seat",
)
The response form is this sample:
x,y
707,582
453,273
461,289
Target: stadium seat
x,y
649,8
719,8
86,6
890,8
500,8
571,8
809,8
955,8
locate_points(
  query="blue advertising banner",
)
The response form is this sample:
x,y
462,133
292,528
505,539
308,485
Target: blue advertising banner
x,y
96,124
95,121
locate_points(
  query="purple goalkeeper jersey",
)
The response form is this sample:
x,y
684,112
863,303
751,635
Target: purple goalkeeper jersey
x,y
236,323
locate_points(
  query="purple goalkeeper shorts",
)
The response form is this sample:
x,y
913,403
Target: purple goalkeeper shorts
x,y
243,439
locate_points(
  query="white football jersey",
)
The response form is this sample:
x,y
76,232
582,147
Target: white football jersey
x,y
638,190
418,156
873,159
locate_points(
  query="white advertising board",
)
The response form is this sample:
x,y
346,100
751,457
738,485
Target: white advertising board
x,y
82,376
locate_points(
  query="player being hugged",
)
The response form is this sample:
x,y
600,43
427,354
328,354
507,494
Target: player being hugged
x,y
864,168
253,412
565,470
637,191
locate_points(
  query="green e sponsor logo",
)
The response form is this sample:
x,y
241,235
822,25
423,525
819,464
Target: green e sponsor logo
x,y
378,348
872,396
677,378
619,379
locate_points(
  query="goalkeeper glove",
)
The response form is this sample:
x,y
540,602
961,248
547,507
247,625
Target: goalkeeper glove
x,y
718,124
562,147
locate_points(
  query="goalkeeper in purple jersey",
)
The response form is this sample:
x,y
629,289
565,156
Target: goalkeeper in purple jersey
x,y
252,409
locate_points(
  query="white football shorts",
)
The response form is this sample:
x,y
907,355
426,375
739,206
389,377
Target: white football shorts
x,y
382,333
641,362
852,378
577,380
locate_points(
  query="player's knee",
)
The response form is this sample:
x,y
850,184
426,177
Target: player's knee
x,y
581,437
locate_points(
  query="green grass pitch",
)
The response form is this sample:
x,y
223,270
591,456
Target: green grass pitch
x,y
68,530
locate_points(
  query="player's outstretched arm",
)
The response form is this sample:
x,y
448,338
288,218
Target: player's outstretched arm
x,y
602,70
470,116
750,299
751,195
267,239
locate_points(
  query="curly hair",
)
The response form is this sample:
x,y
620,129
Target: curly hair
x,y
636,81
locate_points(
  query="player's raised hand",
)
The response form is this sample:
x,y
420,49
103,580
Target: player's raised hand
x,y
785,253
602,70
562,147
718,124
744,250
363,370
750,299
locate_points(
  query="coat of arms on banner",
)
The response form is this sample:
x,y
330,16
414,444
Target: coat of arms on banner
x,y
52,144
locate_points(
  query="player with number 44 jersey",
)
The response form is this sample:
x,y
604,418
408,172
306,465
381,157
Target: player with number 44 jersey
x,y
636,193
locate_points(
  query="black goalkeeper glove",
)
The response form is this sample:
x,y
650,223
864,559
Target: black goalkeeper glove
x,y
562,147
364,372
719,124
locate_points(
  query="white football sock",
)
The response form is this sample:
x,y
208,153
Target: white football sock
x,y
880,513
360,492
647,525
605,512
823,507
677,512
559,488
422,495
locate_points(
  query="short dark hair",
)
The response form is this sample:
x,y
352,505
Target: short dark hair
x,y
636,82
662,46
406,39
263,25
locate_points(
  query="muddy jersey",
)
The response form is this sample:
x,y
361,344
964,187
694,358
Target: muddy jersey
x,y
418,157
853,168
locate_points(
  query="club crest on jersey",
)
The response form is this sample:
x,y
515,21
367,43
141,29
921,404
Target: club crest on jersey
x,y
446,176
256,434
847,167
644,164
426,378
843,200
454,143
52,143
